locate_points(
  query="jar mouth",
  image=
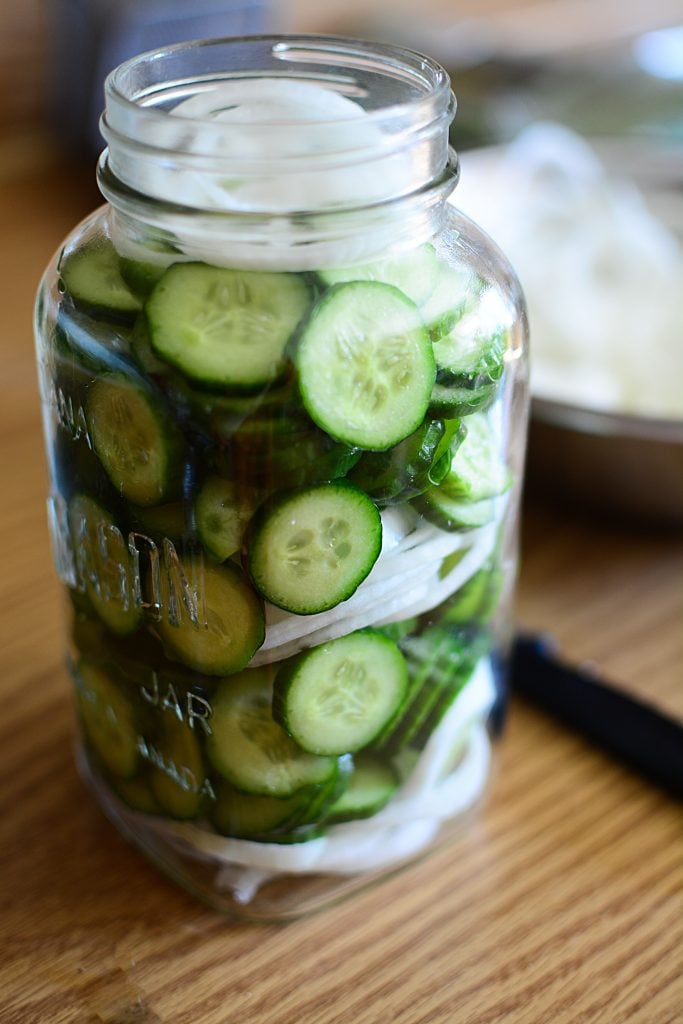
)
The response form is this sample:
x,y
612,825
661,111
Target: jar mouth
x,y
277,124
143,83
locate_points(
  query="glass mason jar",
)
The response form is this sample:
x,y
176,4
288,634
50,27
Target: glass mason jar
x,y
284,392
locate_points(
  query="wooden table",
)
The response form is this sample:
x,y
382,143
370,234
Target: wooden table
x,y
564,903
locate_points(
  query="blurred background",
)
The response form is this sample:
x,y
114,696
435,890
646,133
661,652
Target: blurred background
x,y
601,66
570,133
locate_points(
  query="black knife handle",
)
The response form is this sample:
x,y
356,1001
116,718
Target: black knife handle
x,y
632,730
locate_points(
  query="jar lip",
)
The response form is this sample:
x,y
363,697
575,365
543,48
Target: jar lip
x,y
123,196
346,52
258,239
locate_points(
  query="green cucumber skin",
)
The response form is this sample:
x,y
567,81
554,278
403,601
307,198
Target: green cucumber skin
x,y
307,358
168,442
139,276
454,402
301,460
205,364
92,277
216,647
476,601
289,677
454,515
412,272
440,661
249,748
277,814
350,806
329,793
404,471
267,437
420,697
257,555
303,813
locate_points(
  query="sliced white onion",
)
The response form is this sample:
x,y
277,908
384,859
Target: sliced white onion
x,y
269,101
453,795
343,157
347,848
601,273
437,588
399,595
277,146
408,824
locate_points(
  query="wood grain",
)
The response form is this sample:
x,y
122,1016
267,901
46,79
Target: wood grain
x,y
562,903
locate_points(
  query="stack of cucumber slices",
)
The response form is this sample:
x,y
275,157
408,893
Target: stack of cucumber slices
x,y
243,452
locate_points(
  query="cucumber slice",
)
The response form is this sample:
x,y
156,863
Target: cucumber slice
x,y
159,521
372,785
476,601
269,427
420,655
178,773
454,513
299,834
285,451
104,564
328,794
249,816
92,277
133,439
108,720
87,634
469,356
137,794
455,289
451,402
310,549
477,468
91,347
439,664
407,469
366,365
250,749
228,626
270,411
413,273
338,697
225,328
278,819
75,465
449,677
141,276
222,511
309,460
